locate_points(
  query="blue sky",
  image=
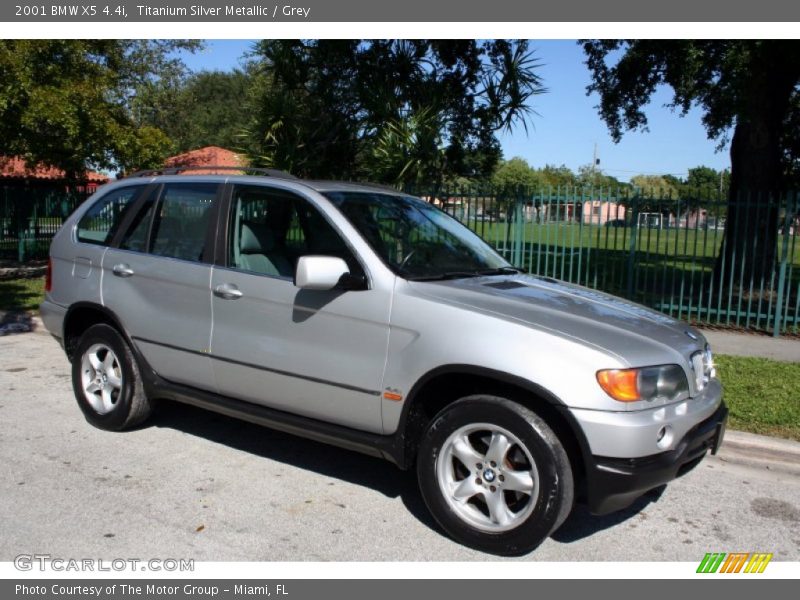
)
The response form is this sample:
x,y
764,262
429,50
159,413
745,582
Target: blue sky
x,y
567,126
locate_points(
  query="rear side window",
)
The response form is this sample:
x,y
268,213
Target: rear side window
x,y
102,220
180,223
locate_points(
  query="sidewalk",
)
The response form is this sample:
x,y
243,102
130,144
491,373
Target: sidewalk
x,y
753,344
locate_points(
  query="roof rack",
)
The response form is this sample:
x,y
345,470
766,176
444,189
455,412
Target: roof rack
x,y
179,170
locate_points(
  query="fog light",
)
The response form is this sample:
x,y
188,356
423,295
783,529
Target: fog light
x,y
664,437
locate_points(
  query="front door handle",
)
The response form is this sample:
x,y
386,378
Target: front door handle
x,y
122,270
228,291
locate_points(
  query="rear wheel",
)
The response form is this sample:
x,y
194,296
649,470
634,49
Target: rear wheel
x,y
106,381
494,475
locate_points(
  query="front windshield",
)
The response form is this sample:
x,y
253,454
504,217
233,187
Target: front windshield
x,y
417,240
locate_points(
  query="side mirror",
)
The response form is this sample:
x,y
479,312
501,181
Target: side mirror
x,y
319,272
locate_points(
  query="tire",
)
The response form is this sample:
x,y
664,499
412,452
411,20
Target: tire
x,y
106,381
513,493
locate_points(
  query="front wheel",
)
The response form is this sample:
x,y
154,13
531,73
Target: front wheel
x,y
494,475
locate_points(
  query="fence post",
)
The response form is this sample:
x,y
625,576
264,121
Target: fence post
x,y
22,246
782,287
632,247
517,258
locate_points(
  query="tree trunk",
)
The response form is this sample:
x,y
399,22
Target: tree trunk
x,y
751,230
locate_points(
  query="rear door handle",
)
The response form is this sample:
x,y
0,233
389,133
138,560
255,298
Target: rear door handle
x,y
228,291
122,270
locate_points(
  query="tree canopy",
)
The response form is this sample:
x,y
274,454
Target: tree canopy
x,y
68,103
397,111
207,108
749,87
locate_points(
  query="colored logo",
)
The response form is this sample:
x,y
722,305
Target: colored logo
x,y
735,562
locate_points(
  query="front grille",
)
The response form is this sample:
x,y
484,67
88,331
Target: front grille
x,y
703,367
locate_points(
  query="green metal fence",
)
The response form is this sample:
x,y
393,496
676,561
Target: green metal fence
x,y
664,252
30,217
660,251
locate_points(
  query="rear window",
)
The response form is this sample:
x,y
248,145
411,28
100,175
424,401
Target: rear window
x,y
102,220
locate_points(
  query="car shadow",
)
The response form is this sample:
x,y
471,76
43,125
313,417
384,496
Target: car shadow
x,y
353,467
330,461
582,524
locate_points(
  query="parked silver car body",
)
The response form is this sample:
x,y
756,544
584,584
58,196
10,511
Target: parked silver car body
x,y
354,359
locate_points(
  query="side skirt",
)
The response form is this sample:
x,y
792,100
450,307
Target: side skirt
x,y
382,446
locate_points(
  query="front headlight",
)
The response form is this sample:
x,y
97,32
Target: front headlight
x,y
665,382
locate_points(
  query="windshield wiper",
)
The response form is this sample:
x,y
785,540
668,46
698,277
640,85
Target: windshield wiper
x,y
499,271
445,275
464,274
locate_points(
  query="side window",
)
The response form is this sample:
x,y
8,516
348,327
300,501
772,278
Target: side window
x,y
99,224
270,229
180,222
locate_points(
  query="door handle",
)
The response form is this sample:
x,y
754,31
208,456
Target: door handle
x,y
122,270
228,291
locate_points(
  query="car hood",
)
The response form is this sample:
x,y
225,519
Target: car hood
x,y
633,333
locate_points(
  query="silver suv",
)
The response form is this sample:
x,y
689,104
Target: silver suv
x,y
360,316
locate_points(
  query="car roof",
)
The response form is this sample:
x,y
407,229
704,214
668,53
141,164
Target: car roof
x,y
317,185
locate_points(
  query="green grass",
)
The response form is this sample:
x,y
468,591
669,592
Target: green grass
x,y
21,294
763,395
670,242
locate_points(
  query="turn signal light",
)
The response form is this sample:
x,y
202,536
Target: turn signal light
x,y
620,384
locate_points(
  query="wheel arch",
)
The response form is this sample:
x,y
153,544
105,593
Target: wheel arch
x,y
82,315
443,385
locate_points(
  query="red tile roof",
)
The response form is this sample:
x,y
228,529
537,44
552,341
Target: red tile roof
x,y
14,167
211,156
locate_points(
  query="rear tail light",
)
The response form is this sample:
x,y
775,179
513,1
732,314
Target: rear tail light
x,y
48,277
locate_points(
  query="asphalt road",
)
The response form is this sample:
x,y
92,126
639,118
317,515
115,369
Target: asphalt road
x,y
196,485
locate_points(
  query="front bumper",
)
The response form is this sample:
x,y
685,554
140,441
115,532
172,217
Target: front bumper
x,y
613,483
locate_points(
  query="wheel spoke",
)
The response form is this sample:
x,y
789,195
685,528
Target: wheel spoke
x,y
498,448
93,388
95,361
114,381
519,481
462,449
108,404
108,362
466,489
498,509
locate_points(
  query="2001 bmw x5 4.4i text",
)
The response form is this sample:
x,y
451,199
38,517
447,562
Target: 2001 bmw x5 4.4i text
x,y
370,319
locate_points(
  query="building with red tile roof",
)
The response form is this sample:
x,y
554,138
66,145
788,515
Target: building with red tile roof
x,y
15,171
210,156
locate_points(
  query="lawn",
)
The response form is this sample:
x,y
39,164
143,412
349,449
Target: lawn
x,y
21,294
763,395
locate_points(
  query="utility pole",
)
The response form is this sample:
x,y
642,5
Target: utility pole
x,y
594,159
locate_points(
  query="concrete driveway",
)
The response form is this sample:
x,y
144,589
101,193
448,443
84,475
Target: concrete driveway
x,y
196,485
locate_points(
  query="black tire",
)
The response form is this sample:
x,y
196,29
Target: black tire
x,y
545,513
130,403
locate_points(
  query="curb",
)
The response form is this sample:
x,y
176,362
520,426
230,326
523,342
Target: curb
x,y
38,324
761,451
